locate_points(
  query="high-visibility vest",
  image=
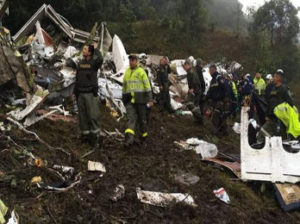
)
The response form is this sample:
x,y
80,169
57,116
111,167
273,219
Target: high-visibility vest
x,y
259,85
136,83
289,117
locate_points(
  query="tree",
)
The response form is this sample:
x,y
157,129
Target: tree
x,y
279,18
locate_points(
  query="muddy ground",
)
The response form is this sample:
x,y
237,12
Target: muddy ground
x,y
150,166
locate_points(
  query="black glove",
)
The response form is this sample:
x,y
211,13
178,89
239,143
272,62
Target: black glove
x,y
76,92
95,91
126,98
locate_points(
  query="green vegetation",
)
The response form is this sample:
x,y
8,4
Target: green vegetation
x,y
211,29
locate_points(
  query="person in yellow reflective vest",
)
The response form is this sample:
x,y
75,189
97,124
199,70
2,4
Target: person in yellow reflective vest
x,y
137,96
234,100
290,118
277,95
259,84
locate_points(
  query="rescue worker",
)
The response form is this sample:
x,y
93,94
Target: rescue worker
x,y
194,84
136,96
163,82
234,98
199,71
259,84
246,89
278,94
219,100
194,92
269,79
143,63
86,92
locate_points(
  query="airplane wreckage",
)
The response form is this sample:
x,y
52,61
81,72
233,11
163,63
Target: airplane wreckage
x,y
37,66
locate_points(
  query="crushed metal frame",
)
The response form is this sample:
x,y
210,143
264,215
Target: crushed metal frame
x,y
271,163
48,12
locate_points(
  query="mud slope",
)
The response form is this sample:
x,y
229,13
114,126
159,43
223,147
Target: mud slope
x,y
151,166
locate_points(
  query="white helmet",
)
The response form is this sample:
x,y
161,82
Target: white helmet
x,y
143,56
269,77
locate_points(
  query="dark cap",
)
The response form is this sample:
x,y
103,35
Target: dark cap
x,y
133,57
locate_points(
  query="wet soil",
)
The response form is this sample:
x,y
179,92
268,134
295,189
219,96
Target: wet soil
x,y
150,166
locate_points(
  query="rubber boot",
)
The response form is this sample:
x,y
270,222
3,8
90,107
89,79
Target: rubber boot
x,y
129,140
94,140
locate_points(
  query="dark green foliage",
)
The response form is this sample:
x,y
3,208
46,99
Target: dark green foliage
x,y
273,33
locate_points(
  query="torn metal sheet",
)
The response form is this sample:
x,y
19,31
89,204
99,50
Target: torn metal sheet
x,y
70,52
164,199
42,37
37,99
4,8
234,67
106,39
46,11
233,166
271,163
115,88
119,54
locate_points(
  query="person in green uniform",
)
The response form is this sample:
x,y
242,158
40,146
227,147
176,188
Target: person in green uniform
x,y
86,92
163,82
277,95
136,97
194,92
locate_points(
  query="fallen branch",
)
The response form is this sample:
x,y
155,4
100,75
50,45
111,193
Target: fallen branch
x,y
8,138
21,127
88,153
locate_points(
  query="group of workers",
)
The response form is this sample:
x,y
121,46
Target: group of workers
x,y
225,95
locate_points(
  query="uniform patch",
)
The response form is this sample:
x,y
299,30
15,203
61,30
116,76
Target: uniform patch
x,y
85,66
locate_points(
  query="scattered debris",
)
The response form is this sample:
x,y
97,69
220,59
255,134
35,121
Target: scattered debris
x,y
14,219
35,101
207,150
36,180
231,165
38,162
186,178
61,187
164,199
67,171
119,193
222,195
96,166
288,196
